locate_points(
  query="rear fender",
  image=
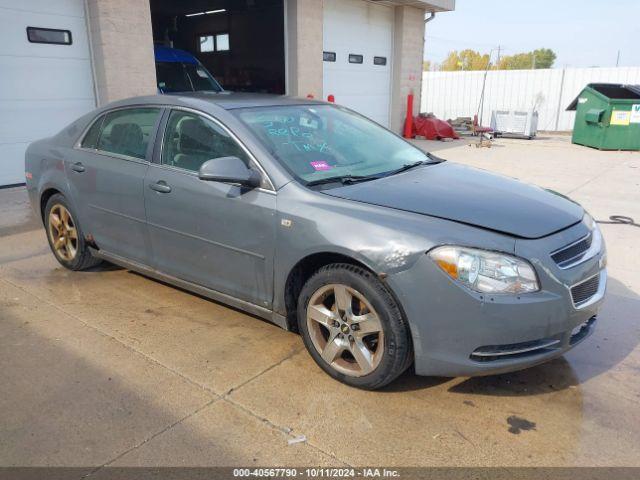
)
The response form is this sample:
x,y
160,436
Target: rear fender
x,y
45,170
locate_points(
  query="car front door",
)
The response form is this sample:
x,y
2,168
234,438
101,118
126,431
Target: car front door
x,y
217,235
106,174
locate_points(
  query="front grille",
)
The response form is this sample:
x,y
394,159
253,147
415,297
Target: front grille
x,y
569,254
585,290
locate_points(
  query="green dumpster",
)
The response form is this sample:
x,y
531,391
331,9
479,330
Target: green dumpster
x,y
607,116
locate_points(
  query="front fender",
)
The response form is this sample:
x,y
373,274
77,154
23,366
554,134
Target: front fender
x,y
385,240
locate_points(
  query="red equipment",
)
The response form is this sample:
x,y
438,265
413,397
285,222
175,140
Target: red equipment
x,y
478,129
408,123
433,128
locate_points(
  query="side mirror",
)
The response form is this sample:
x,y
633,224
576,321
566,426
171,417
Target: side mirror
x,y
229,170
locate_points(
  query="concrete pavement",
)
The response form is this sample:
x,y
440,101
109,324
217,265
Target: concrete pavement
x,y
110,368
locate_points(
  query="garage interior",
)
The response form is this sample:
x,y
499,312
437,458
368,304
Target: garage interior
x,y
241,42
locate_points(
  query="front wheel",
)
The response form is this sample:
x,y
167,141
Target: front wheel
x,y
353,327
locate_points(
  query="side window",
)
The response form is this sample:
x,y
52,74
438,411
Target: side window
x,y
90,140
190,140
127,132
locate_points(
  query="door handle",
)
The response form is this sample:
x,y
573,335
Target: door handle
x,y
160,187
77,167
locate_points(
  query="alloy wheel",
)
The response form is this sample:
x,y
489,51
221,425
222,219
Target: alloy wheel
x,y
63,233
345,330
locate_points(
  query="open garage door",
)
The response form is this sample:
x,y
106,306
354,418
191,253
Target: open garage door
x,y
358,46
241,42
45,75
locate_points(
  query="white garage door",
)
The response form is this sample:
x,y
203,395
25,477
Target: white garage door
x,y
43,86
358,45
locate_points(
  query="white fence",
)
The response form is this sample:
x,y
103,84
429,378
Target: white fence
x,y
457,94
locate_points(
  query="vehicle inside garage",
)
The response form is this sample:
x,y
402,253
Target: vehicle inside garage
x,y
241,42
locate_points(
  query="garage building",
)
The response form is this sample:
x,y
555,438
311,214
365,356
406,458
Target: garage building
x,y
61,58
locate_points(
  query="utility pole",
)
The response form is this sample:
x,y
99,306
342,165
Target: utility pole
x,y
618,59
498,60
484,84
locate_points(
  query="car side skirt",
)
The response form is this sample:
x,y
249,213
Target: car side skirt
x,y
229,300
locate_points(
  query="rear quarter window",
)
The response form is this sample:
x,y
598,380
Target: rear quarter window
x,y
90,139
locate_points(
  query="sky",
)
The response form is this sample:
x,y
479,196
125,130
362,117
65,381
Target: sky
x,y
583,33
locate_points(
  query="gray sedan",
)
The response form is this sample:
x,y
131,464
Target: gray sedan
x,y
323,222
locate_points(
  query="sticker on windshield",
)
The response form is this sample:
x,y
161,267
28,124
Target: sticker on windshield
x,y
201,73
305,122
321,166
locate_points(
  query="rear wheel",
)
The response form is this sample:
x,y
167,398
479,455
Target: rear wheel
x,y
65,236
353,328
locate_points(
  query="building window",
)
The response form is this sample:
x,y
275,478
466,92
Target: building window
x,y
214,43
353,58
329,56
49,35
207,43
380,61
222,42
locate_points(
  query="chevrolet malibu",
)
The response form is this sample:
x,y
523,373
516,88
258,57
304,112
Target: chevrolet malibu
x,y
308,215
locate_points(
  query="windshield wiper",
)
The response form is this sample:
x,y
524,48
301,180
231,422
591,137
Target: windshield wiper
x,y
344,179
405,168
411,166
351,179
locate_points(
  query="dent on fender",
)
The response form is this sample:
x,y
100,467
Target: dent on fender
x,y
393,257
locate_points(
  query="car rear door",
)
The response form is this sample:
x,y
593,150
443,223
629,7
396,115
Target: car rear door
x,y
106,174
213,234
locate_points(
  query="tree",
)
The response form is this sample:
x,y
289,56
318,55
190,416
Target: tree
x,y
519,61
472,60
545,58
465,60
427,65
540,58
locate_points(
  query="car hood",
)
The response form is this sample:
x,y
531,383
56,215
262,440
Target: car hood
x,y
471,196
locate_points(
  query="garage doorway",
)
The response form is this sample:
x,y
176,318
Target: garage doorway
x,y
241,42
358,48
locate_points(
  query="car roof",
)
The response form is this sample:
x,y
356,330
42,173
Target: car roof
x,y
224,100
233,100
173,55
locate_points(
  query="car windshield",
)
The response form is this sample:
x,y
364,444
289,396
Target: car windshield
x,y
184,77
318,143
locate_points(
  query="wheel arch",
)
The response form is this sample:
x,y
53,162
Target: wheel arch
x,y
46,194
310,264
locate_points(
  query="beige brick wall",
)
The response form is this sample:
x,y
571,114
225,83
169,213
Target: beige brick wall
x,y
407,64
304,47
122,48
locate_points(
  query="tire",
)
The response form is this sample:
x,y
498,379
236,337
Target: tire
x,y
367,347
71,253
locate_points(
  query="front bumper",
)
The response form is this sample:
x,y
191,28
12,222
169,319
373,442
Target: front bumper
x,y
457,332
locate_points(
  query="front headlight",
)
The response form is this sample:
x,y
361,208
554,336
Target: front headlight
x,y
485,271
